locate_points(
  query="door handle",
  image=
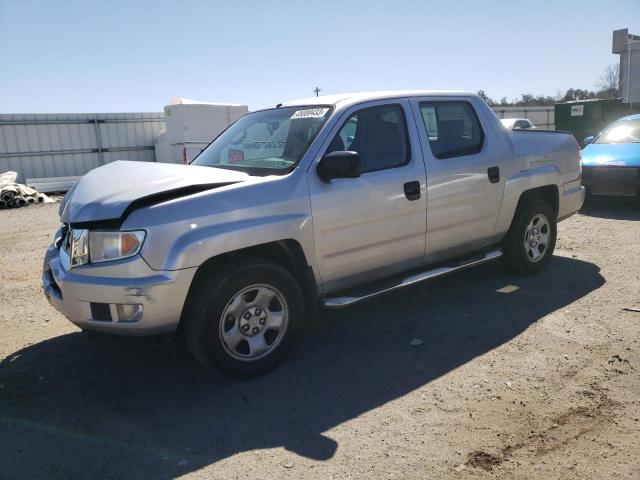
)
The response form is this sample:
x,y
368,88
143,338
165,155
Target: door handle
x,y
494,174
412,190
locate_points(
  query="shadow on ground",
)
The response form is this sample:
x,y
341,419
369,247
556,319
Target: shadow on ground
x,y
79,405
611,207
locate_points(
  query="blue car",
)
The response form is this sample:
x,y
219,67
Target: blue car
x,y
611,159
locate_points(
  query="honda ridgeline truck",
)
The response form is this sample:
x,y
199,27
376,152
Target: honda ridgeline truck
x,y
330,201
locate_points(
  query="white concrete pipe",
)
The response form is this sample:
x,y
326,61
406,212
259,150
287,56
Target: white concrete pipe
x,y
9,193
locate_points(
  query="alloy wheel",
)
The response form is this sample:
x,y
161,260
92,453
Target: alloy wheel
x,y
536,238
254,322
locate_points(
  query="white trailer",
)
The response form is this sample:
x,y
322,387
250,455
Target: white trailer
x,y
191,125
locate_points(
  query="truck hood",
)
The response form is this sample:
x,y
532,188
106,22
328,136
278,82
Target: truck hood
x,y
110,192
611,154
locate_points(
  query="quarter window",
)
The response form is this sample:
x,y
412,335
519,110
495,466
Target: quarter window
x,y
453,128
378,134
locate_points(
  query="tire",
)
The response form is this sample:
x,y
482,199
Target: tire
x,y
244,320
535,224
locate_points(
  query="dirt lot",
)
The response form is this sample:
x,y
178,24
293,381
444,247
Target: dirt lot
x,y
534,377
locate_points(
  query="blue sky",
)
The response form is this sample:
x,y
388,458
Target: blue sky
x,y
113,56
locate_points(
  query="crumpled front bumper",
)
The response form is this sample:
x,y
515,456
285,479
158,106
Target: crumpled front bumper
x,y
89,295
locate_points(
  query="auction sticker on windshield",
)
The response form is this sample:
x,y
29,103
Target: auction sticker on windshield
x,y
310,113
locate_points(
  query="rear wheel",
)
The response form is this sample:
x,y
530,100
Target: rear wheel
x,y
244,320
531,240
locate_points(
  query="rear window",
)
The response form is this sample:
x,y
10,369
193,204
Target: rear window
x,y
453,128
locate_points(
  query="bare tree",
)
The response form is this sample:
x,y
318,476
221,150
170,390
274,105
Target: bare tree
x,y
609,81
607,88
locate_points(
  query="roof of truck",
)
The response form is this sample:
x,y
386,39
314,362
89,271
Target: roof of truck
x,y
368,96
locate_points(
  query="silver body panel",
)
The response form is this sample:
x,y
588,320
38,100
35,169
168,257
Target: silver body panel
x,y
463,205
351,231
365,228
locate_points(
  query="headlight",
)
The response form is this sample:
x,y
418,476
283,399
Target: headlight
x,y
104,246
86,246
78,246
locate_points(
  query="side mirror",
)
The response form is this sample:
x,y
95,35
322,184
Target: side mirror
x,y
588,139
342,164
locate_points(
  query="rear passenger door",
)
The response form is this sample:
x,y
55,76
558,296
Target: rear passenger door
x,y
374,225
464,185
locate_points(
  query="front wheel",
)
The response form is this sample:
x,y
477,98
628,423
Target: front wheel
x,y
244,320
531,240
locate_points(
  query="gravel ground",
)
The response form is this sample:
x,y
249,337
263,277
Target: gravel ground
x,y
518,377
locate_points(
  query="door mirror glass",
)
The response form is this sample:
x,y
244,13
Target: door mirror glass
x,y
588,140
341,164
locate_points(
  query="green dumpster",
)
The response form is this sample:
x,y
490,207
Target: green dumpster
x,y
589,117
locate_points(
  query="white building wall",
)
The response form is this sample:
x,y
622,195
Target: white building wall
x,y
191,125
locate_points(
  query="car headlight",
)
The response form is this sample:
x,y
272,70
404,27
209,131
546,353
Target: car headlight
x,y
102,246
77,245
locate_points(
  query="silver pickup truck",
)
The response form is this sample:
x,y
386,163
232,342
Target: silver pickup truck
x,y
328,200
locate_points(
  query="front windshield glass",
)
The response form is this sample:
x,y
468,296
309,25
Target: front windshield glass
x,y
622,131
266,142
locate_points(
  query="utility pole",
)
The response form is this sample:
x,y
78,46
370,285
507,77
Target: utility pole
x,y
317,90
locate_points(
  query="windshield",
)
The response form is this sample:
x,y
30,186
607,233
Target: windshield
x,y
266,142
622,131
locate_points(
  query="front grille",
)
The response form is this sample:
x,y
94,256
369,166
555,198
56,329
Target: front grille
x,y
100,311
613,181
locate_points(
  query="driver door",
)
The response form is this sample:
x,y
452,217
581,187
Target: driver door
x,y
375,225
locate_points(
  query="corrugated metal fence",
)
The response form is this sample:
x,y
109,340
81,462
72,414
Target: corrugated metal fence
x,y
71,144
541,117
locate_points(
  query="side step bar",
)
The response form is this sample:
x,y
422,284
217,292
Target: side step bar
x,y
347,300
